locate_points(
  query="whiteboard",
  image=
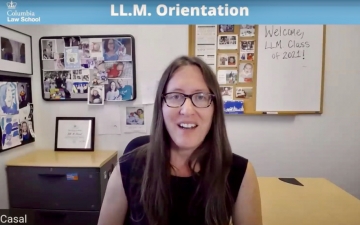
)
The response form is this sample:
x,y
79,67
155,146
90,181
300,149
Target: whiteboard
x,y
289,68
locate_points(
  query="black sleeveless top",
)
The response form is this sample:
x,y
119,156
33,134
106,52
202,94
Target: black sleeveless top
x,y
182,191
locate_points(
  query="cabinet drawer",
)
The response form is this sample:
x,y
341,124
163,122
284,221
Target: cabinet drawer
x,y
54,188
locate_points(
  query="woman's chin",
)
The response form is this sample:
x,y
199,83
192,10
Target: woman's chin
x,y
187,146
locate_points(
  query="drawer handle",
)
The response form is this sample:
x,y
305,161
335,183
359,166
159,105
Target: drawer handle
x,y
51,175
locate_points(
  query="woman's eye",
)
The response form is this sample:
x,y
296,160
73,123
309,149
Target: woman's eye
x,y
177,96
201,97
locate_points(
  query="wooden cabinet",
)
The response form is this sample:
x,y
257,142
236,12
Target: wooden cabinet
x,y
60,187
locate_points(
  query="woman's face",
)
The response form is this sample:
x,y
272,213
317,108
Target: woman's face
x,y
139,112
95,93
111,44
187,80
113,86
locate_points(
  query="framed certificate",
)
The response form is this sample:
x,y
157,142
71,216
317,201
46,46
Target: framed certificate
x,y
74,133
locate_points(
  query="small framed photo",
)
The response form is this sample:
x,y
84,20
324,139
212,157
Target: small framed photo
x,y
74,133
16,51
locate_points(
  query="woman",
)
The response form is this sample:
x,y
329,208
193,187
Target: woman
x,y
110,50
187,174
113,93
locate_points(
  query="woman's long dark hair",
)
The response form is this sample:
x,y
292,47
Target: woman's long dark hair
x,y
214,157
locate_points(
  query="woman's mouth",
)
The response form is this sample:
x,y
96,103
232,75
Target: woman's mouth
x,y
187,125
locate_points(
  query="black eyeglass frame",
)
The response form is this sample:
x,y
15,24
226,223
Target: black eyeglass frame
x,y
212,97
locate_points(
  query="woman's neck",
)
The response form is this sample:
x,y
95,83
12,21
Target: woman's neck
x,y
179,159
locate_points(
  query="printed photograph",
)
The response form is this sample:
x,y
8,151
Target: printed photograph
x,y
117,49
96,95
247,30
95,47
243,92
79,87
48,49
84,44
58,84
57,93
12,50
25,128
226,28
59,64
246,72
227,92
88,63
119,69
72,41
119,90
77,74
84,54
98,77
22,89
227,60
85,76
247,46
247,56
227,76
55,79
228,42
135,116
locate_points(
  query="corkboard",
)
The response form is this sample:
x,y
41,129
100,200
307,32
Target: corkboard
x,y
250,103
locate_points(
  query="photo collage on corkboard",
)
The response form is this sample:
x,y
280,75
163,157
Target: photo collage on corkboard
x,y
235,61
92,69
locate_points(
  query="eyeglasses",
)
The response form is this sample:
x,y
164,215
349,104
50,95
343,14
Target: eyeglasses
x,y
199,100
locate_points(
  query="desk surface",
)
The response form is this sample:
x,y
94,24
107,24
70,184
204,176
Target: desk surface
x,y
318,202
63,159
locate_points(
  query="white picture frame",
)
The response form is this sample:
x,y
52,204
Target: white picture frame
x,y
16,52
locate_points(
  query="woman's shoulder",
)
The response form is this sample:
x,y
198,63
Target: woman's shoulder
x,y
132,165
239,161
237,173
238,167
135,158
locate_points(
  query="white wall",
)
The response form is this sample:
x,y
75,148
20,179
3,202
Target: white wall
x,y
285,146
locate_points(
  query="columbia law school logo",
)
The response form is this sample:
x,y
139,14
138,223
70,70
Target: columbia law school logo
x,y
15,16
11,5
